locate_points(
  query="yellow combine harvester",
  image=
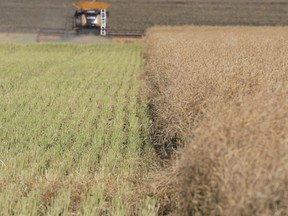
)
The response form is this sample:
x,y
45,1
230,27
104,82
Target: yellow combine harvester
x,y
91,15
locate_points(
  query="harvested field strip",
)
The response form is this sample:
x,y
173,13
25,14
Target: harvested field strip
x,y
220,95
72,130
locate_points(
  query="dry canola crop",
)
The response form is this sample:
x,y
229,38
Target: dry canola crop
x,y
219,96
74,138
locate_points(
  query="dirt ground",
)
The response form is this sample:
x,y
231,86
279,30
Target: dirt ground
x,y
31,16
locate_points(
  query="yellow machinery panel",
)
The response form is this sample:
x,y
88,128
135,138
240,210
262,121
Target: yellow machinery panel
x,y
91,5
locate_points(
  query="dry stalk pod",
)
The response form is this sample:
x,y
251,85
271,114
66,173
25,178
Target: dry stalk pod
x,y
91,15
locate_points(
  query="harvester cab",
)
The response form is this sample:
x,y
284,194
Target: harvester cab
x,y
91,15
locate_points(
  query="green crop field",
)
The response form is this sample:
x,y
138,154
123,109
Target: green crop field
x,y
74,135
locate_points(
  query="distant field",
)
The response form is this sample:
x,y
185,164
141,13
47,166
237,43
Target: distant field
x,y
219,96
143,14
74,137
31,15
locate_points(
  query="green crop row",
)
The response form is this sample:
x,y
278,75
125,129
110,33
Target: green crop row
x,y
74,137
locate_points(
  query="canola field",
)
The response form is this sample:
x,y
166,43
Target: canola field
x,y
74,135
219,99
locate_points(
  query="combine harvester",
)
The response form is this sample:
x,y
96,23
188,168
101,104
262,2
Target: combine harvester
x,y
89,17
92,16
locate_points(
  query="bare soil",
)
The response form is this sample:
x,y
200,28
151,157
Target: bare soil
x,y
31,15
